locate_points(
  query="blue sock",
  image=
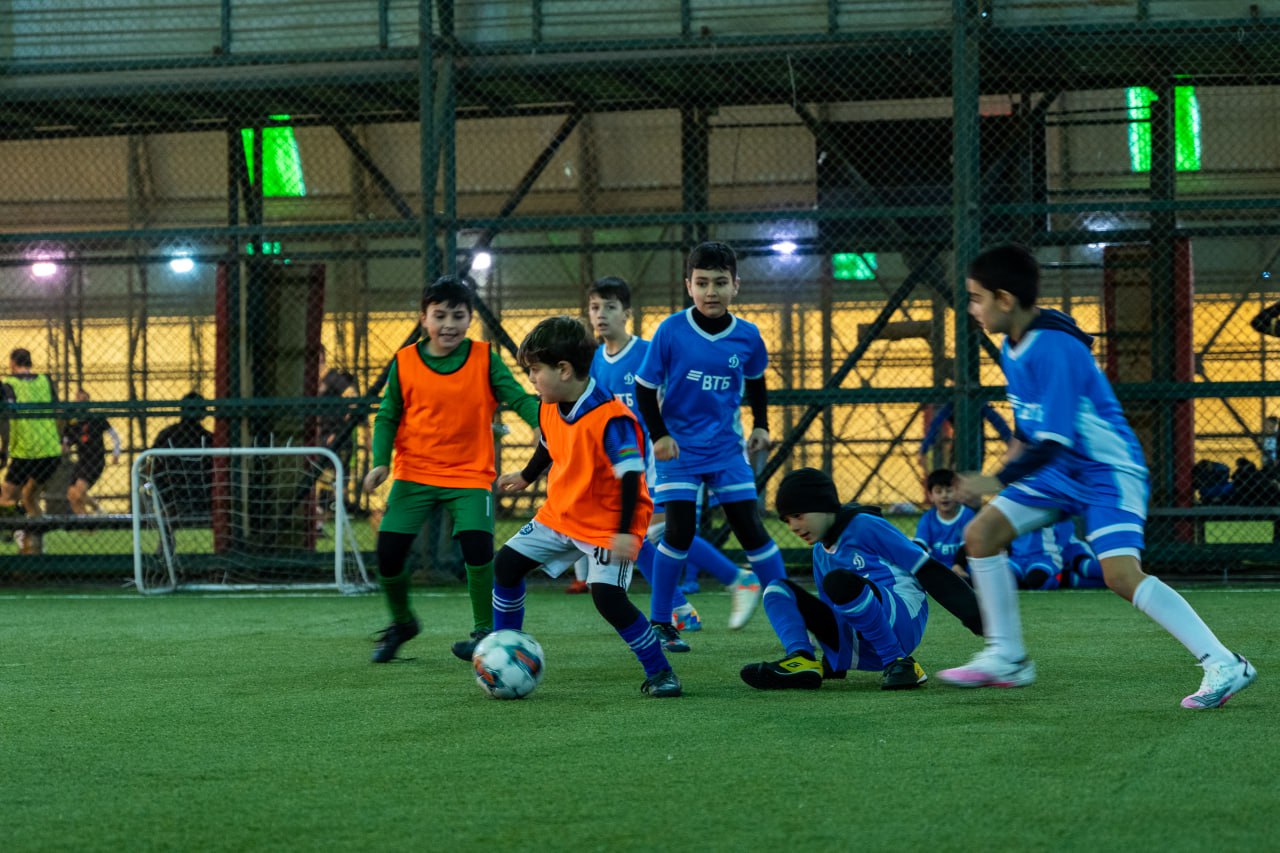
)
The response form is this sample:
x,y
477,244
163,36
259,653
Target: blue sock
x,y
668,564
703,556
784,616
644,562
868,617
766,562
508,606
640,637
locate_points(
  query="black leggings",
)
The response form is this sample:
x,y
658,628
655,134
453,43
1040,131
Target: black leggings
x,y
393,549
682,520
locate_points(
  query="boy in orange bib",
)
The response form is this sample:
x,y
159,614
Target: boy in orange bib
x,y
437,416
597,502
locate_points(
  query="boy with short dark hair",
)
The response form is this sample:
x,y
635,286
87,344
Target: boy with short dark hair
x,y
614,366
597,503
940,530
437,415
870,610
1078,457
705,360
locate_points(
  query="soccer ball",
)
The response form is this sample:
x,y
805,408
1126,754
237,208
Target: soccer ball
x,y
508,664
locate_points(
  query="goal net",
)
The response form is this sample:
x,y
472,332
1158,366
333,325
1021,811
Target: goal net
x,y
243,518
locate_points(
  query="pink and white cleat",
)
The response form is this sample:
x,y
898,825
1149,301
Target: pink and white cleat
x,y
1221,681
987,669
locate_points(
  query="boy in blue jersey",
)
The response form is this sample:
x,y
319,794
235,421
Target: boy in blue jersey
x,y
870,610
1075,455
940,531
704,359
614,366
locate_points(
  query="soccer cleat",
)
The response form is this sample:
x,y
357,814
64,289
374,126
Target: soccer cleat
x,y
689,621
903,674
746,595
464,649
669,637
796,672
987,669
392,637
829,674
662,685
1221,681
577,587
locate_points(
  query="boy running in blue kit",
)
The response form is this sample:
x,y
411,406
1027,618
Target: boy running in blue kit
x,y
870,610
704,359
614,367
1078,457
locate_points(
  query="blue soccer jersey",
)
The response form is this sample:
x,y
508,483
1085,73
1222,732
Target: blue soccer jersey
x,y
703,377
879,552
943,538
617,373
1059,394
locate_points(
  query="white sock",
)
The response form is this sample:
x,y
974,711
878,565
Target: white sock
x,y
998,599
1171,611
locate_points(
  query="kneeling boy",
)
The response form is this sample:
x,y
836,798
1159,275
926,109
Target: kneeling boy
x,y
870,611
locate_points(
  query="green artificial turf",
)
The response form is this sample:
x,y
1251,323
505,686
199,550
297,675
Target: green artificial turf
x,y
238,723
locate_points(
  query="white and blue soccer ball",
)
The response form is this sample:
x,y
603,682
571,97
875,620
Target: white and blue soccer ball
x,y
508,664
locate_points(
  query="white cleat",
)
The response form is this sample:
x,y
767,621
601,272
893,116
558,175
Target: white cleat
x,y
987,669
1221,681
746,596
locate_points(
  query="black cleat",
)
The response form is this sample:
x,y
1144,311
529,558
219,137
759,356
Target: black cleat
x,y
829,674
669,637
903,674
662,685
464,649
796,672
392,637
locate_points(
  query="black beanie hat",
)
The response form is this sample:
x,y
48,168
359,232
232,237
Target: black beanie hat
x,y
806,490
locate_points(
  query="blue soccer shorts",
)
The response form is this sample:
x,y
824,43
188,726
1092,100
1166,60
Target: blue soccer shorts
x,y
858,654
1113,504
732,482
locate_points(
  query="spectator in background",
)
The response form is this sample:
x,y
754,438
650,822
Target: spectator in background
x,y
84,434
1270,428
1268,321
944,419
185,483
31,446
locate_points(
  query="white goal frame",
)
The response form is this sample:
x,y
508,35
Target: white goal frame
x,y
343,537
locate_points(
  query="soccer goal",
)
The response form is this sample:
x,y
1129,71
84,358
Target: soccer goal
x,y
243,518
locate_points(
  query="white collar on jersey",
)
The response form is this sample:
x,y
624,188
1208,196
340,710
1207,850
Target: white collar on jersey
x,y
1028,339
693,324
613,358
573,412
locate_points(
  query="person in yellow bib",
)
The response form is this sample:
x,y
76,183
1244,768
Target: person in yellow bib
x,y
32,447
436,419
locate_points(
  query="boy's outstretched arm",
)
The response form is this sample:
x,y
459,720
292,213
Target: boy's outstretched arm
x,y
508,391
757,394
950,590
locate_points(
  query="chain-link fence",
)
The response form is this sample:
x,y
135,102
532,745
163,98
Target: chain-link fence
x,y
227,199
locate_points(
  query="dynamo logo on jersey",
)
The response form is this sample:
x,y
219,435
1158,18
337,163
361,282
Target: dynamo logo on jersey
x,y
629,379
734,361
709,381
